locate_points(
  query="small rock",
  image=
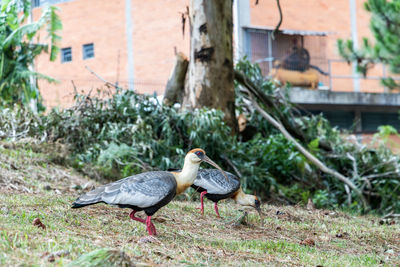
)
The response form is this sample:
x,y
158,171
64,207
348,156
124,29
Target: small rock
x,y
47,187
308,242
148,239
5,210
61,253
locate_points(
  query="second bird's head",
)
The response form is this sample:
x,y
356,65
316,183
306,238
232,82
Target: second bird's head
x,y
249,200
252,201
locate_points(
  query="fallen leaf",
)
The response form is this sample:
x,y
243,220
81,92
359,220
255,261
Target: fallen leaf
x,y
51,258
159,219
308,242
36,222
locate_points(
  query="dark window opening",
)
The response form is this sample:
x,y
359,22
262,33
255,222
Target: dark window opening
x,y
370,121
344,120
66,54
88,51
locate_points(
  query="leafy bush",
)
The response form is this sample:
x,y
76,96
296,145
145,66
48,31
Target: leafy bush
x,y
125,133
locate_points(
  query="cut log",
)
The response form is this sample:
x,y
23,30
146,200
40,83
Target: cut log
x,y
176,82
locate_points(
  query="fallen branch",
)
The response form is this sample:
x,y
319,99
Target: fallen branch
x,y
230,163
291,126
304,151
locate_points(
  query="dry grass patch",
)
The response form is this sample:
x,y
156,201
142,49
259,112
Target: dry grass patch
x,y
185,237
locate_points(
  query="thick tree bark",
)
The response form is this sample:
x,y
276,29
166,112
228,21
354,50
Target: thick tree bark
x,y
176,82
210,75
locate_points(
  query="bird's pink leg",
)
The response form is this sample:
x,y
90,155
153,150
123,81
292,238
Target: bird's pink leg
x,y
132,215
150,226
202,201
216,209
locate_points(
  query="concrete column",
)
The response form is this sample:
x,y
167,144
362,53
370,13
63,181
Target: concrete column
x,y
129,45
241,18
354,37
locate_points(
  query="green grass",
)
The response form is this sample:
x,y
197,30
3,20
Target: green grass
x,y
185,237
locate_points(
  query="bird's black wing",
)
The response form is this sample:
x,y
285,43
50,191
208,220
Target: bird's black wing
x,y
215,182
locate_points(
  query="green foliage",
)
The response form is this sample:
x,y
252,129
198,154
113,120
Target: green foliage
x,y
125,133
102,257
385,26
18,51
373,169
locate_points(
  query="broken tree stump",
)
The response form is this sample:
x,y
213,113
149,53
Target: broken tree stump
x,y
176,82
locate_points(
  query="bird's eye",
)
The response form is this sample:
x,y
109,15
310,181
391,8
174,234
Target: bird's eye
x,y
199,153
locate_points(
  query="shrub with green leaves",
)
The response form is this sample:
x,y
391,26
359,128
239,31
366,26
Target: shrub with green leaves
x,y
125,133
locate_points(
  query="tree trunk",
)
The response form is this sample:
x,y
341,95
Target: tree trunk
x,y
210,74
176,82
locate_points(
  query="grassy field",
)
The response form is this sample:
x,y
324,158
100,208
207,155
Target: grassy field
x,y
32,187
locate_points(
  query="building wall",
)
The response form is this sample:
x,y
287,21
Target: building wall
x,y
157,30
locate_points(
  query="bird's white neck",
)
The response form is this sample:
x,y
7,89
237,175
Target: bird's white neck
x,y
186,177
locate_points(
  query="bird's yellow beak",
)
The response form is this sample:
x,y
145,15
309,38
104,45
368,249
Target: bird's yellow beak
x,y
212,163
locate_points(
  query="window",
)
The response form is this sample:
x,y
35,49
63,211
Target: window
x,y
35,3
370,121
66,54
262,48
88,51
337,118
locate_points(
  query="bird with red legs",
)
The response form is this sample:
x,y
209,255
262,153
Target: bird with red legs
x,y
212,185
148,191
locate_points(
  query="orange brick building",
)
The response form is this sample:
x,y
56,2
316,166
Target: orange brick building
x,y
132,43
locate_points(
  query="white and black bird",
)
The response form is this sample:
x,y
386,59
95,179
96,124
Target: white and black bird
x,y
148,191
210,183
